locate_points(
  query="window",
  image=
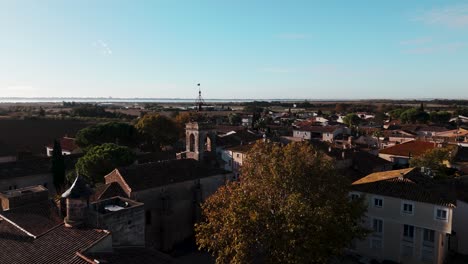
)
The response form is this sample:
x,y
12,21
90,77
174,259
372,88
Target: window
x,y
378,202
428,236
427,250
407,208
441,214
377,226
408,232
376,239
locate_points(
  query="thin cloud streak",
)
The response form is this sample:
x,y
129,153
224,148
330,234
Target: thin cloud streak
x,y
103,47
451,16
416,41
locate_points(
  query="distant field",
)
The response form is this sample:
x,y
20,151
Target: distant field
x,y
34,135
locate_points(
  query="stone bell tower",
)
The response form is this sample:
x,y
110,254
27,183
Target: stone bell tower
x,y
200,141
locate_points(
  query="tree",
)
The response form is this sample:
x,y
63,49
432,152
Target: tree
x,y
396,113
351,120
58,166
340,108
234,119
289,207
440,117
157,131
111,132
414,115
433,159
101,160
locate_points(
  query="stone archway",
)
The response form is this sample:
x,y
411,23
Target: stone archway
x,y
208,144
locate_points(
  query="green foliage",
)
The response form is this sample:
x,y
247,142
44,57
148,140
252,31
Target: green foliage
x,y
433,159
379,118
58,166
461,111
111,132
88,110
234,119
101,160
414,115
157,131
351,120
440,117
289,207
396,113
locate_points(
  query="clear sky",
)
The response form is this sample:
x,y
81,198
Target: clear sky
x,y
235,49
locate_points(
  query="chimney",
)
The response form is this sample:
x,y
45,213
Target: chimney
x,y
77,202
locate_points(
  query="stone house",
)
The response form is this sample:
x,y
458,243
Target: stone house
x,y
410,215
172,192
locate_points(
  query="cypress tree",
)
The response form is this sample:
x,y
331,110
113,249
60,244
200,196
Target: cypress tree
x,y
58,166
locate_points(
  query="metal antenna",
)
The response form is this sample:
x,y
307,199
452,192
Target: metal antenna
x,y
199,102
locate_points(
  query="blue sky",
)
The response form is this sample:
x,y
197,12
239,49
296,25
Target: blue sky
x,y
235,49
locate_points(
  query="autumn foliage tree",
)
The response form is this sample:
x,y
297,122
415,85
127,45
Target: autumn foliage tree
x,y
157,131
289,207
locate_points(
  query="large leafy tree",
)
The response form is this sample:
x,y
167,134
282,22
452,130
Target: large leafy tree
x,y
101,160
351,120
440,117
111,132
157,131
434,159
183,118
414,115
58,166
289,207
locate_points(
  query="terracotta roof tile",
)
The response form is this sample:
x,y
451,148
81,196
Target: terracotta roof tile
x,y
408,184
383,175
36,218
416,148
59,245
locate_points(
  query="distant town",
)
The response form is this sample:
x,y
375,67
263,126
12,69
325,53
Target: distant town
x,y
205,182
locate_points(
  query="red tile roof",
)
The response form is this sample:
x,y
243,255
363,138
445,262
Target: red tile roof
x,y
59,245
67,144
318,129
35,218
416,148
107,191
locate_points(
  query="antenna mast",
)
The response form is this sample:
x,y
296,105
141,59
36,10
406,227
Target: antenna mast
x,y
199,102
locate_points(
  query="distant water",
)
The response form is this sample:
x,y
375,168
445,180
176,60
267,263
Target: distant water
x,y
134,100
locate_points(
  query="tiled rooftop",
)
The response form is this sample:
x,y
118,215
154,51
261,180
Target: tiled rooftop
x,y
58,245
415,148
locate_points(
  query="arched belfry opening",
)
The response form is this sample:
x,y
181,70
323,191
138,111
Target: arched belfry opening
x,y
207,145
200,140
191,143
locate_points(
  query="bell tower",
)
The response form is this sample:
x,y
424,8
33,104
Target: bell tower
x,y
200,141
